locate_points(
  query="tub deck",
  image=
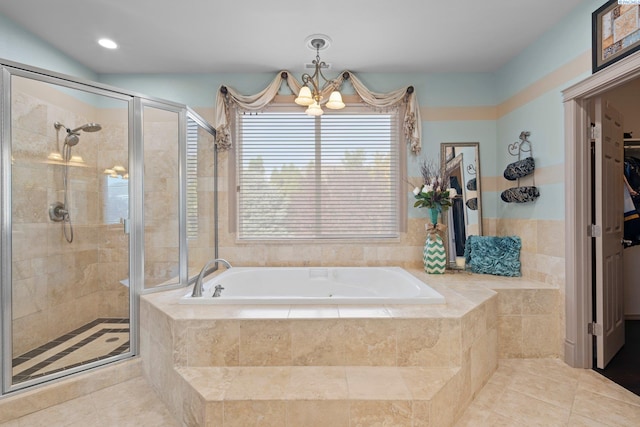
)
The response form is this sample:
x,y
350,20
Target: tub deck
x,y
406,364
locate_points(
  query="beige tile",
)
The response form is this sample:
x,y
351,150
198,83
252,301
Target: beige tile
x,y
381,413
262,312
497,420
473,326
428,342
531,412
314,312
211,383
550,237
264,413
617,413
559,393
370,342
265,343
423,383
421,412
259,383
475,415
509,301
483,357
492,392
540,336
362,312
72,411
213,343
317,383
376,383
317,413
510,336
594,382
448,404
580,421
540,301
318,342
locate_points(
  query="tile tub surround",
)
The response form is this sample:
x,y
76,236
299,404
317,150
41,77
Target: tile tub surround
x,y
553,390
342,347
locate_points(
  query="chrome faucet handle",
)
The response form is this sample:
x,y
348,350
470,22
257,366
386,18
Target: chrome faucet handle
x,y
198,287
218,291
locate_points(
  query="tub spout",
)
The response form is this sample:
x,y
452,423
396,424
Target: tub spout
x,y
197,287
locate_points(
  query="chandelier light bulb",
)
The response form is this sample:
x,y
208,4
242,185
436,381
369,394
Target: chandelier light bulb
x,y
314,110
304,97
335,101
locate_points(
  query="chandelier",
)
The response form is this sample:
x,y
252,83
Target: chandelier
x,y
310,94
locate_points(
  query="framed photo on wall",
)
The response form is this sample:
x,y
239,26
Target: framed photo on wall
x,y
615,32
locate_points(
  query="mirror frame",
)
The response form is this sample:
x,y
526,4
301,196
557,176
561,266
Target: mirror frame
x,y
443,168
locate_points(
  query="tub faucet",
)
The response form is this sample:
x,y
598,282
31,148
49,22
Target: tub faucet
x,y
197,287
218,291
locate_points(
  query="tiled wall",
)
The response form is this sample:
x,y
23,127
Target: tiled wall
x,y
201,248
59,286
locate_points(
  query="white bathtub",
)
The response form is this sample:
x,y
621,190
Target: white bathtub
x,y
316,285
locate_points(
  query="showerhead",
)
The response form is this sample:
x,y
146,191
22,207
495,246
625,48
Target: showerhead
x,y
89,127
71,139
73,136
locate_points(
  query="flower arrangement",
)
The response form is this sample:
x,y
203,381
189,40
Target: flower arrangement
x,y
433,194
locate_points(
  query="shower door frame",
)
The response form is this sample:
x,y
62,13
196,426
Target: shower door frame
x,y
135,215
135,104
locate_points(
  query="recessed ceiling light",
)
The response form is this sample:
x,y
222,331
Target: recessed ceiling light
x,y
108,43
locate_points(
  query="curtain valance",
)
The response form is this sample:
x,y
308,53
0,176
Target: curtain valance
x,y
228,97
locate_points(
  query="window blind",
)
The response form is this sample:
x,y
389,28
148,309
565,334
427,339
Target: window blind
x,y
192,179
328,177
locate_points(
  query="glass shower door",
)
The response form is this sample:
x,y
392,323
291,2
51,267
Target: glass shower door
x,y
70,300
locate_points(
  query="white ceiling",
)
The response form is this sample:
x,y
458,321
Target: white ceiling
x,y
198,36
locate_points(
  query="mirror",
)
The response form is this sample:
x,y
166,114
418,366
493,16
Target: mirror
x,y
461,163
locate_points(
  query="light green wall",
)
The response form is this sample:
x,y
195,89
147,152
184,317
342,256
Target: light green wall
x,y
20,45
542,116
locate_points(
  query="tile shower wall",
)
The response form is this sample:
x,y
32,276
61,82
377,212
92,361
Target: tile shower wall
x,y
59,286
201,245
161,200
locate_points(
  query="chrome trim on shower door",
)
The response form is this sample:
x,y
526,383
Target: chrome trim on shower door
x,y
5,242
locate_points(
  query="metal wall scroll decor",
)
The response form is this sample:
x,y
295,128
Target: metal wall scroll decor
x,y
523,167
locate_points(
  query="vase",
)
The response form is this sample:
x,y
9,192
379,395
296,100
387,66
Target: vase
x,y
433,215
434,256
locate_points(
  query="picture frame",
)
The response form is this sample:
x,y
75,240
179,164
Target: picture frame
x,y
615,32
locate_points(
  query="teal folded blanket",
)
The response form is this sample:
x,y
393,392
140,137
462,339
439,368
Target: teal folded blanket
x,y
493,255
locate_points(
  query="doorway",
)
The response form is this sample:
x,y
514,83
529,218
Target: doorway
x,y
579,303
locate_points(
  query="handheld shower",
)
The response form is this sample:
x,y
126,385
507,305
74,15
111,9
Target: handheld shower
x,y
59,211
73,135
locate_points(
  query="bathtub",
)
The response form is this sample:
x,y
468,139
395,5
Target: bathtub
x,y
316,285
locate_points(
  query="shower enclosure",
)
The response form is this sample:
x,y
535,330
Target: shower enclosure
x,y
106,194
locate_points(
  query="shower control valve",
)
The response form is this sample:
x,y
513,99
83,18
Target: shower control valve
x,y
57,212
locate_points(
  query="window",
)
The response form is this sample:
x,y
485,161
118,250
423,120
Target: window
x,y
328,177
192,179
116,199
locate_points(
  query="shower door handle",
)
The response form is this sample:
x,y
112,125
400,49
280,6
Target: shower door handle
x,y
125,223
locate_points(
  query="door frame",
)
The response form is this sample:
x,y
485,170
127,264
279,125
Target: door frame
x,y
578,349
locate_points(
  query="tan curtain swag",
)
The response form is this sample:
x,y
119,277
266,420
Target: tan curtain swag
x,y
228,98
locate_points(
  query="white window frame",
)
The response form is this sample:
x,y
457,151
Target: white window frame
x,y
399,154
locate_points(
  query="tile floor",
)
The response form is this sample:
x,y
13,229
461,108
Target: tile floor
x,y
546,392
102,338
522,392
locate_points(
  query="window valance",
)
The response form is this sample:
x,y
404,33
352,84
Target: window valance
x,y
228,97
